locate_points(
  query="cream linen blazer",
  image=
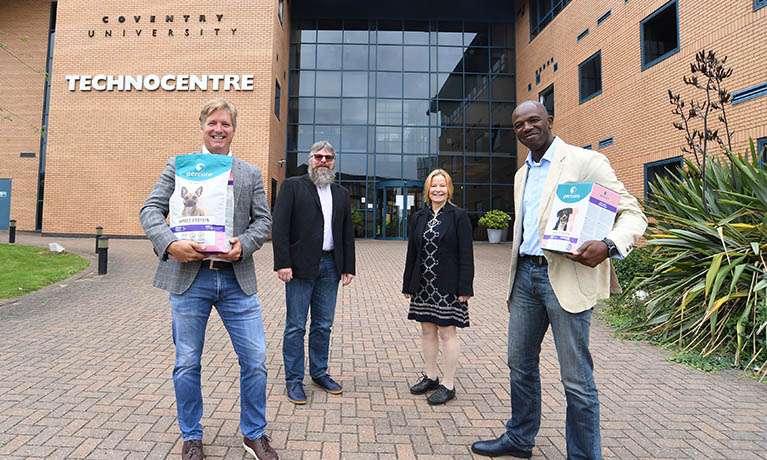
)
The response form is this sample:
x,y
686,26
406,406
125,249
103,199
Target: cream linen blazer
x,y
577,286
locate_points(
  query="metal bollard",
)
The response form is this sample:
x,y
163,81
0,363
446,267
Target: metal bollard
x,y
99,232
103,249
12,231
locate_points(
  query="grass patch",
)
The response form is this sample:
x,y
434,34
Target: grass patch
x,y
24,269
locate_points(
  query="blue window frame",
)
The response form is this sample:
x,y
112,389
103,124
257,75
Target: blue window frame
x,y
590,77
604,17
546,97
761,151
750,93
587,147
759,4
277,99
659,34
657,169
605,142
542,12
582,35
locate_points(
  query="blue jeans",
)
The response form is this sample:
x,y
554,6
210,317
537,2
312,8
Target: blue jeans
x,y
241,315
319,294
533,307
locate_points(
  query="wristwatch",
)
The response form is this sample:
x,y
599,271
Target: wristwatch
x,y
612,250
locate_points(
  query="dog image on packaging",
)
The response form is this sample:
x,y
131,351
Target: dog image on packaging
x,y
201,204
580,212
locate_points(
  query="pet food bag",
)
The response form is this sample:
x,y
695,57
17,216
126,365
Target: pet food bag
x,y
201,207
580,212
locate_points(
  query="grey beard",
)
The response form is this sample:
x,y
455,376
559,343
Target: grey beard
x,y
322,178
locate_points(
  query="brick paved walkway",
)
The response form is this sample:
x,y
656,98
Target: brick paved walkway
x,y
85,372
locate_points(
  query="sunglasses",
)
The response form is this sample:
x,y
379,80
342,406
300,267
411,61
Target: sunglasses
x,y
320,157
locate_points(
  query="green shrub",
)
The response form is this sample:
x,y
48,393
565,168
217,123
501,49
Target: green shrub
x,y
495,219
637,263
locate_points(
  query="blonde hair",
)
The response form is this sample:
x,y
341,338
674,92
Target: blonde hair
x,y
218,104
427,185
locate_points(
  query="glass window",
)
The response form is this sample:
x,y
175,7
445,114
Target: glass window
x,y
416,85
477,198
302,83
449,141
390,32
447,85
416,33
504,169
450,113
416,113
328,110
449,59
501,60
546,97
657,169
355,31
355,84
355,57
477,141
300,110
305,137
329,31
501,113
352,164
388,167
477,87
477,60
389,84
449,34
388,140
477,113
477,169
503,88
417,167
277,99
475,34
660,34
329,84
416,58
354,111
542,12
307,58
504,142
501,35
415,140
329,57
331,134
503,199
590,77
353,139
389,57
453,164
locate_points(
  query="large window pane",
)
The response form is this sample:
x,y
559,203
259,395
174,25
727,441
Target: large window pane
x,y
351,166
501,60
329,84
501,35
307,56
447,85
416,85
477,141
417,167
301,110
450,113
416,140
478,169
329,57
389,57
301,83
329,31
503,88
477,113
504,142
450,140
504,169
416,58
503,198
331,134
355,84
477,87
475,34
415,112
353,139
388,167
416,33
355,57
388,140
478,198
501,113
328,110
354,111
356,31
389,112
449,34
449,59
453,165
389,84
304,137
477,60
390,32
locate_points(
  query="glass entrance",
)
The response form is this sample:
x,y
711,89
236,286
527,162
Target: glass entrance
x,y
396,201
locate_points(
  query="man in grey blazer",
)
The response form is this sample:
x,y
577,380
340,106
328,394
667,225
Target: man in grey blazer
x,y
197,283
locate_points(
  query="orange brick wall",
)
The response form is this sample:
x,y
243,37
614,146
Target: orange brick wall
x,y
24,31
107,149
633,107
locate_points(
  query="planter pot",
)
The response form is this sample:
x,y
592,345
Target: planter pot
x,y
494,235
505,234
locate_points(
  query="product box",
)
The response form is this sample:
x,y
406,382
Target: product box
x,y
580,212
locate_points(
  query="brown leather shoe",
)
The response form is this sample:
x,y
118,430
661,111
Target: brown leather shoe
x,y
260,448
192,450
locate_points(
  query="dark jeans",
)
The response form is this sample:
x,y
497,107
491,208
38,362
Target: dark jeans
x,y
533,307
301,294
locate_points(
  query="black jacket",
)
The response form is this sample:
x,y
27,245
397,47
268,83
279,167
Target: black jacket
x,y
297,225
455,272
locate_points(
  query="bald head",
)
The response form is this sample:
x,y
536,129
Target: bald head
x,y
532,125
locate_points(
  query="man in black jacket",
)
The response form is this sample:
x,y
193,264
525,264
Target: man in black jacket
x,y
313,241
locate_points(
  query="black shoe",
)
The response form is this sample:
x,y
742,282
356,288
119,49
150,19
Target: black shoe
x,y
500,446
441,396
426,384
295,391
328,384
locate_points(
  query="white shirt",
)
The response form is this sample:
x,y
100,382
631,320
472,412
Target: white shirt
x,y
205,150
326,200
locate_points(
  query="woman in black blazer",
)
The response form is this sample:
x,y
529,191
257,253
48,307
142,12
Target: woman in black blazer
x,y
439,272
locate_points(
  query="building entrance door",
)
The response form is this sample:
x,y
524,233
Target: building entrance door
x,y
396,201
5,203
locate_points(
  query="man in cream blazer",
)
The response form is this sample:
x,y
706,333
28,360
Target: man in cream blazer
x,y
547,288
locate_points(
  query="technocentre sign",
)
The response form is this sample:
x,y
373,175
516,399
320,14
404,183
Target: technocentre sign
x,y
152,82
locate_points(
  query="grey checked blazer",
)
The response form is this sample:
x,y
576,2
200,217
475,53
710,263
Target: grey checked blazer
x,y
252,223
